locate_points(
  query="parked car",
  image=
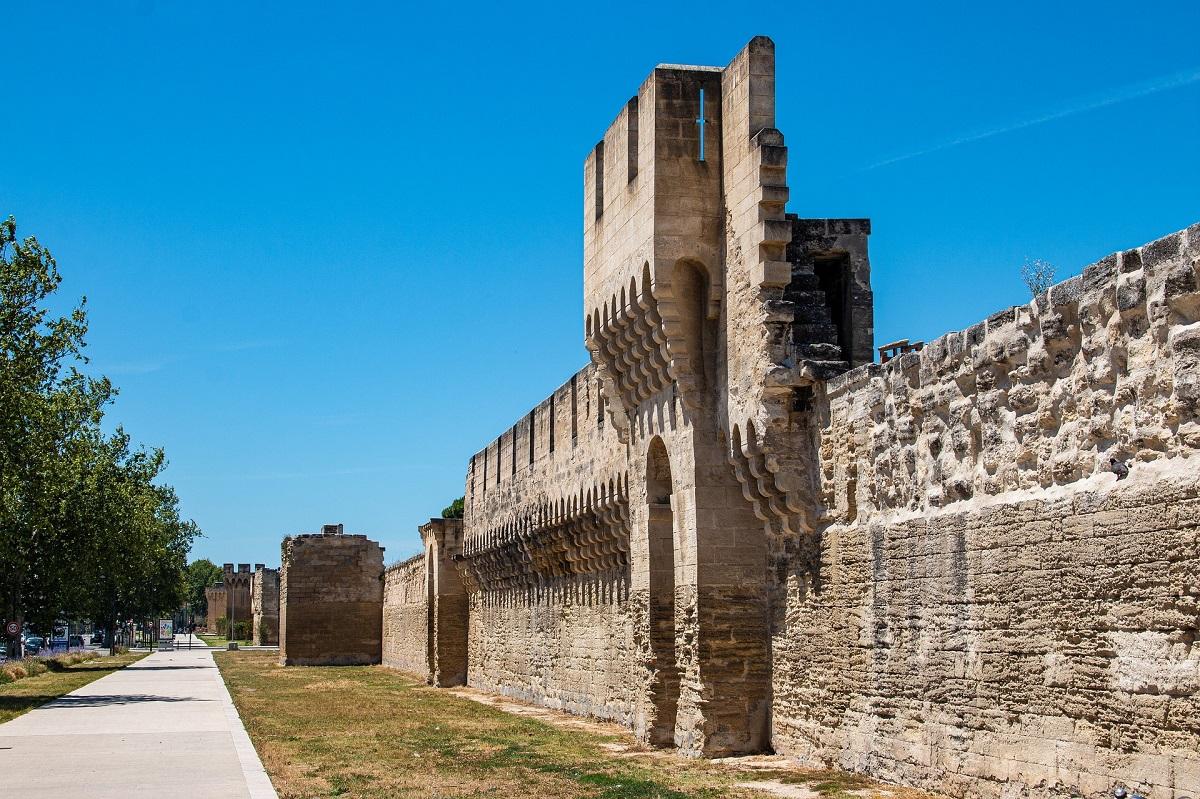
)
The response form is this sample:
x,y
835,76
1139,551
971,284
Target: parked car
x,y
98,637
33,644
74,641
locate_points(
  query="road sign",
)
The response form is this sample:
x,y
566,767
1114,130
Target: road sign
x,y
13,629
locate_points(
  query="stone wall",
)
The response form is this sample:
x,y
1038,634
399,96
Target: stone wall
x,y
425,609
237,582
217,600
569,646
264,606
406,628
994,612
330,599
733,532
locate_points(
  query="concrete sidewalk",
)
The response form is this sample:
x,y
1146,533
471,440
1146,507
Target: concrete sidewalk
x,y
164,726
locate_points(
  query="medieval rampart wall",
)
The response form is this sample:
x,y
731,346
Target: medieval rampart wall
x,y
994,612
406,633
548,620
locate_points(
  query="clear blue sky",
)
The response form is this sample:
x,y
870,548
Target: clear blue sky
x,y
329,253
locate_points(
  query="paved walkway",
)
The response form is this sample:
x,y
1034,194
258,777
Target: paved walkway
x,y
164,726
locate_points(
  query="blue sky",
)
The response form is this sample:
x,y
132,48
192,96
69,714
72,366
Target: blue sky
x,y
329,253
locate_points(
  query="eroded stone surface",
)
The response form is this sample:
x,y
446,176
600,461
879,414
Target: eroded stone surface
x,y
330,599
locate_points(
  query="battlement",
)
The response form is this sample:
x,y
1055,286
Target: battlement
x,y
561,442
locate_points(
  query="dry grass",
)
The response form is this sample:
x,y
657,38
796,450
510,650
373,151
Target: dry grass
x,y
370,732
24,695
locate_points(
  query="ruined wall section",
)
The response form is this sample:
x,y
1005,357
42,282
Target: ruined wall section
x,y
406,617
331,600
995,612
264,606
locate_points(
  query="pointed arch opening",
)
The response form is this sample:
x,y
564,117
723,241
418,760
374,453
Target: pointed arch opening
x,y
664,688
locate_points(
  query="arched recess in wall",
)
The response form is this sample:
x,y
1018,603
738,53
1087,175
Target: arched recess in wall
x,y
690,285
430,613
664,688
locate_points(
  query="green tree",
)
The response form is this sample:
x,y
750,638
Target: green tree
x,y
136,541
454,510
200,574
85,528
46,405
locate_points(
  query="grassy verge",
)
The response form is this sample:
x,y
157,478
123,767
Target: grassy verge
x,y
369,732
24,695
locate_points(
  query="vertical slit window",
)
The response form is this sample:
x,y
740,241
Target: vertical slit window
x,y
574,411
599,179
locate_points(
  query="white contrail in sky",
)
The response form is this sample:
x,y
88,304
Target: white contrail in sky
x,y
1132,92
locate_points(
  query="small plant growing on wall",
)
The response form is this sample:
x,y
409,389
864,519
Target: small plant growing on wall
x,y
1038,275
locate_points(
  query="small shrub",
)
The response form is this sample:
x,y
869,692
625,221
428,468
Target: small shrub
x,y
241,630
1038,275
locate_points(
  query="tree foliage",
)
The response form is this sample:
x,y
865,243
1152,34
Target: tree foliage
x,y
85,529
200,574
454,510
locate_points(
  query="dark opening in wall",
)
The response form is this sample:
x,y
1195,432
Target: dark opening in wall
x,y
574,411
599,179
632,140
551,422
532,428
514,450
833,276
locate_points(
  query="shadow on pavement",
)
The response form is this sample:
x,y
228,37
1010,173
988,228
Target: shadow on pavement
x,y
22,703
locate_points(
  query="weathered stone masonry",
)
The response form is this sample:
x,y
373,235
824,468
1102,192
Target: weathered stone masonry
x,y
425,609
264,606
733,532
230,598
330,599
993,609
